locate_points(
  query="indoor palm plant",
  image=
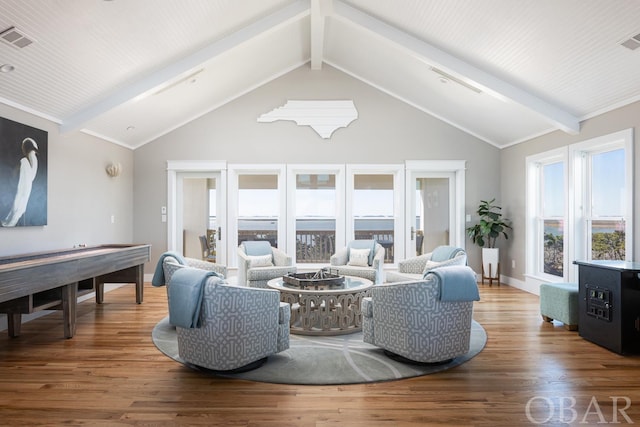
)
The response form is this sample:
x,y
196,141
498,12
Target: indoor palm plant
x,y
485,233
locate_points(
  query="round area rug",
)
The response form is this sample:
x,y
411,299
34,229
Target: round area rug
x,y
342,359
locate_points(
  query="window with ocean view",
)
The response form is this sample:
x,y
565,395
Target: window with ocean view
x,y
553,208
606,216
315,212
579,205
258,208
373,210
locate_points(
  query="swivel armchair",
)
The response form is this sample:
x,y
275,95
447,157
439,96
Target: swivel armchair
x,y
425,321
415,268
238,328
259,262
360,258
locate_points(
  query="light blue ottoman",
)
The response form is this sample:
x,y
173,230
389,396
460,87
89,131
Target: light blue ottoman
x,y
559,301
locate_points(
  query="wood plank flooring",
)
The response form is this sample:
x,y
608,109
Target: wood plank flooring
x,y
111,374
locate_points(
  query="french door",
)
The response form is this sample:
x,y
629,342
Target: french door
x,y
434,206
197,207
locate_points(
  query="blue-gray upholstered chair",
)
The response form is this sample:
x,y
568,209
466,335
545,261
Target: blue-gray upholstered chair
x,y
425,321
371,269
415,268
253,271
238,326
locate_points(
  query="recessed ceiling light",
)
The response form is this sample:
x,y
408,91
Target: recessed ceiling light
x,y
130,128
7,68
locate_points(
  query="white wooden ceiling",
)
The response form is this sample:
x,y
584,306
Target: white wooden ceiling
x,y
132,70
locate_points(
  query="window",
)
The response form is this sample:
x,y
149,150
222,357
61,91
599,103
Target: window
x,y
374,206
316,205
552,212
256,204
310,210
258,208
547,215
605,207
579,206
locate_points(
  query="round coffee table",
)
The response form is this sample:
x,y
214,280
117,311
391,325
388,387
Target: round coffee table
x,y
327,310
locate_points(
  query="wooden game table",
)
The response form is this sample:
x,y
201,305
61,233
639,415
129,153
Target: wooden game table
x,y
53,280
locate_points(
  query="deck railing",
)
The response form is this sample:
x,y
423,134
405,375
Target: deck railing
x,y
314,247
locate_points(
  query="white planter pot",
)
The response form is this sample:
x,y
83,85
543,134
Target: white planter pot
x,y
490,260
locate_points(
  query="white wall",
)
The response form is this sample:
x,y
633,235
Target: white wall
x,y
386,131
512,166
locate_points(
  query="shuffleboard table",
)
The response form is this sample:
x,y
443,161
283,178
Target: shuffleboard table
x,y
53,280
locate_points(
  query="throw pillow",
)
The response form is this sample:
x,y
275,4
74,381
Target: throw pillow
x,y
364,244
260,261
430,265
359,257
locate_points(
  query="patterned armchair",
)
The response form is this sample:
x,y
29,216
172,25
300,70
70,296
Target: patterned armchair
x,y
416,267
424,321
238,326
351,260
259,262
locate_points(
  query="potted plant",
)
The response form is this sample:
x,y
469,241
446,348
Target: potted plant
x,y
485,233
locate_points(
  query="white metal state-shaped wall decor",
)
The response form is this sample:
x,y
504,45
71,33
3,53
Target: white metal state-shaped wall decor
x,y
325,117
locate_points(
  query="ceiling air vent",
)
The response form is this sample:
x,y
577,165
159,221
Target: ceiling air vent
x,y
633,43
15,38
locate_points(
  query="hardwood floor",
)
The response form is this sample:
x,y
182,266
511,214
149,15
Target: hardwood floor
x,y
110,373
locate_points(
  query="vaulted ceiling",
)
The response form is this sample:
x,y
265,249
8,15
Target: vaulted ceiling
x,y
130,71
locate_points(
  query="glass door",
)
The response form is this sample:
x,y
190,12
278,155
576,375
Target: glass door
x,y
197,207
435,208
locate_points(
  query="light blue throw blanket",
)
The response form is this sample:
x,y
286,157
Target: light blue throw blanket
x,y
186,289
457,283
158,274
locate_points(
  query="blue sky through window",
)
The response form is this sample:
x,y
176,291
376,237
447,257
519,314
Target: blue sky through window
x,y
608,183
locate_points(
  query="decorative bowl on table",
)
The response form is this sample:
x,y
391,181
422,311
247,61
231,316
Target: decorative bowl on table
x,y
322,278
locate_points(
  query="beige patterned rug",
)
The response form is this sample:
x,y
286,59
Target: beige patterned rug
x,y
343,359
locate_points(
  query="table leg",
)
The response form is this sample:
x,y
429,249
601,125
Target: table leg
x,y
14,321
69,303
139,283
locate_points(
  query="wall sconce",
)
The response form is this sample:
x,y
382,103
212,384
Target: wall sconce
x,y
114,169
